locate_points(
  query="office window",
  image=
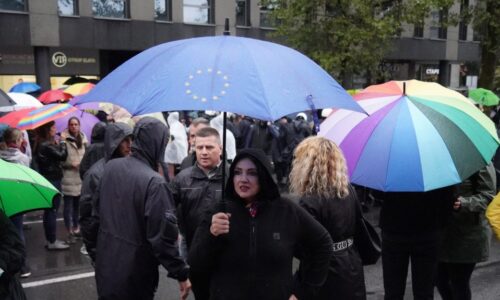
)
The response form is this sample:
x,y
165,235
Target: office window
x,y
17,5
438,29
198,11
67,7
163,10
110,8
266,17
243,12
418,30
462,26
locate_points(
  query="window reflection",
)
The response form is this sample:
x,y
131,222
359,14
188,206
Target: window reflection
x,y
163,10
197,11
67,7
110,8
17,5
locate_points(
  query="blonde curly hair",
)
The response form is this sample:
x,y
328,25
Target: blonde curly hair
x,y
319,168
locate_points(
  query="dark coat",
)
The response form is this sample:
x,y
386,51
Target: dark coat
x,y
12,255
467,234
89,198
138,227
254,260
94,151
49,158
345,276
194,192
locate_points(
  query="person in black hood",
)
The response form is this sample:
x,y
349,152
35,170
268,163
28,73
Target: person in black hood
x,y
247,242
117,142
138,227
95,151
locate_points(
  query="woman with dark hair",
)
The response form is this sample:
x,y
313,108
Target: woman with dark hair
x,y
319,177
71,183
49,154
248,243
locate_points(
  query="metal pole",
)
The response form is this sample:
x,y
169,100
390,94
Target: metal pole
x,y
224,128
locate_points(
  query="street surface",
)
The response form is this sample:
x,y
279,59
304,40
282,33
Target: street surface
x,y
68,274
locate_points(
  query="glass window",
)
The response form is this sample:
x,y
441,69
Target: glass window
x,y
110,8
67,7
198,11
163,10
438,29
243,12
266,17
17,5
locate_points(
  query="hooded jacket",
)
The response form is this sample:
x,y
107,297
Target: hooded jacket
x,y
138,227
254,260
14,155
95,151
217,123
177,148
89,218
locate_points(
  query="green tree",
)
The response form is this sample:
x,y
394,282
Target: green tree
x,y
486,20
349,37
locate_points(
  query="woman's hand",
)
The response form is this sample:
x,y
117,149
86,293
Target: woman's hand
x,y
220,224
292,297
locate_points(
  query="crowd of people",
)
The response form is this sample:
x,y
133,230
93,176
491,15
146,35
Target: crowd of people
x,y
157,194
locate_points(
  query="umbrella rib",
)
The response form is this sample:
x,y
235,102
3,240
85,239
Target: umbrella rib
x,y
259,79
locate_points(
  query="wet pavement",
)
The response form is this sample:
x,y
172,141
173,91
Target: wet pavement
x,y
69,274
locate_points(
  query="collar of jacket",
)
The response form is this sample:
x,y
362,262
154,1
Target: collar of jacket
x,y
198,173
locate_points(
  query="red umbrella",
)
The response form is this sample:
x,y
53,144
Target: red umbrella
x,y
14,117
54,96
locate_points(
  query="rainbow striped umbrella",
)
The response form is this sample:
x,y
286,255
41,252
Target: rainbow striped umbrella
x,y
419,136
32,118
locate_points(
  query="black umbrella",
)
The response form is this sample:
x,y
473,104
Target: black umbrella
x,y
75,79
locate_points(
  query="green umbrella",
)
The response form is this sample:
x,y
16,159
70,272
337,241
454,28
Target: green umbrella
x,y
22,189
484,97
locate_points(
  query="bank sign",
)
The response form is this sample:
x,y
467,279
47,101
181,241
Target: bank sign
x,y
74,62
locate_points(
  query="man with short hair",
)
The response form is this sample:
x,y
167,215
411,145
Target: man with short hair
x,y
196,125
196,188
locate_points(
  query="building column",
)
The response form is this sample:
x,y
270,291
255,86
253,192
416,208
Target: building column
x,y
42,67
444,73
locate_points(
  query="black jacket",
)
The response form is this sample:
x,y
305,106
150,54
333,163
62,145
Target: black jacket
x,y
415,212
89,198
49,157
254,260
194,192
138,227
12,254
95,151
345,277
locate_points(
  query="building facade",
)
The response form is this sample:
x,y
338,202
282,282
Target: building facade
x,y
50,40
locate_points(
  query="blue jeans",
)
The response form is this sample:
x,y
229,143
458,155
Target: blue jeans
x,y
50,215
71,211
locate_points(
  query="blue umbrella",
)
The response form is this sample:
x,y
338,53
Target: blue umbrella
x,y
223,73
24,87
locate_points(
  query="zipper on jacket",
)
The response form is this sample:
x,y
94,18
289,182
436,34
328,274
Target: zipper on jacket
x,y
253,253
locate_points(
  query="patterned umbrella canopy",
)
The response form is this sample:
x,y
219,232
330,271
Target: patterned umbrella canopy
x,y
32,118
419,136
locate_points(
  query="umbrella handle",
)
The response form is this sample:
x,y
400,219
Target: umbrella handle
x,y
314,113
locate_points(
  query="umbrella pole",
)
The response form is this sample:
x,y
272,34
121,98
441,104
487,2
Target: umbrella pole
x,y
224,126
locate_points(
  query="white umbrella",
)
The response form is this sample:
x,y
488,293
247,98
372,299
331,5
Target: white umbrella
x,y
22,101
